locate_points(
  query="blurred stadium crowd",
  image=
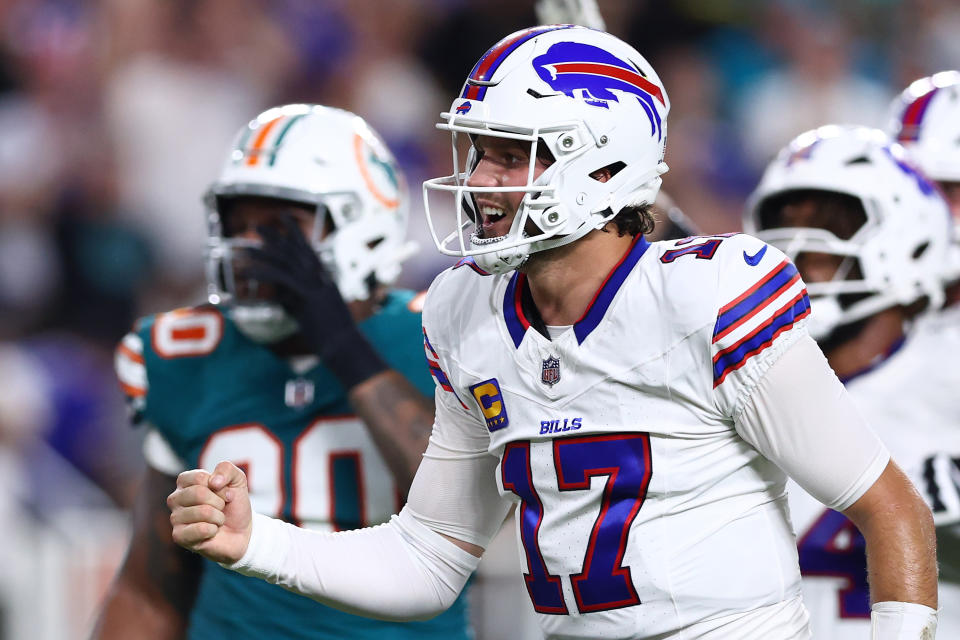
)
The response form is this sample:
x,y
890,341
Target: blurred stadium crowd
x,y
114,115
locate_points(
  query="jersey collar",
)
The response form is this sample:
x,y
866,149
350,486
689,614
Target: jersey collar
x,y
518,322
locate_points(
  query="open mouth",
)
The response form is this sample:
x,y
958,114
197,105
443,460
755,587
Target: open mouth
x,y
494,224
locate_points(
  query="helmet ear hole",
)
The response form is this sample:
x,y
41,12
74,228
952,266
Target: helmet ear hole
x,y
603,174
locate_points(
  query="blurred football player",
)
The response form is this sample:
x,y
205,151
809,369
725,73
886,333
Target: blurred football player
x,y
869,235
925,119
637,401
307,223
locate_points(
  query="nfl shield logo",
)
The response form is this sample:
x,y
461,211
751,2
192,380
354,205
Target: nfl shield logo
x,y
550,373
298,393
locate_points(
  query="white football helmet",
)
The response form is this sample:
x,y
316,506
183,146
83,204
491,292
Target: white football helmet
x,y
925,119
593,101
325,158
898,245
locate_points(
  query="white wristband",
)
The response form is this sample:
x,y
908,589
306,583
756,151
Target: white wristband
x,y
902,621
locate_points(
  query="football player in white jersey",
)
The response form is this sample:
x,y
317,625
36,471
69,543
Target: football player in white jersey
x,y
869,235
925,119
641,404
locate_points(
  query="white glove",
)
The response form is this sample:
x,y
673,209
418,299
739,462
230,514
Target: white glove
x,y
582,12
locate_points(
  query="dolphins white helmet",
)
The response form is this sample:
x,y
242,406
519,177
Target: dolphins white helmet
x,y
895,247
593,101
328,159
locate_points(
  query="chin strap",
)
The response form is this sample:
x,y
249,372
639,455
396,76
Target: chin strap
x,y
503,261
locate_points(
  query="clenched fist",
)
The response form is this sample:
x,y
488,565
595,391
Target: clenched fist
x,y
210,512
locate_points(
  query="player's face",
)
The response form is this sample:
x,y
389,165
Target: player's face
x,y
813,212
503,163
242,217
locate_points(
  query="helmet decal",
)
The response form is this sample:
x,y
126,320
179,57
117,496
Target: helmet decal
x,y
259,150
486,66
367,157
913,117
584,71
926,187
802,153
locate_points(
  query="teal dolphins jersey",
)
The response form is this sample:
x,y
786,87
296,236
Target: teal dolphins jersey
x,y
213,395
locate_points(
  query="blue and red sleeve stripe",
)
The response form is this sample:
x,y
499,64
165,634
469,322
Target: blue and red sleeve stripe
x,y
433,363
755,299
736,355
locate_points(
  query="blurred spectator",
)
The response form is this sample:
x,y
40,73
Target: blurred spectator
x,y
187,72
816,85
709,175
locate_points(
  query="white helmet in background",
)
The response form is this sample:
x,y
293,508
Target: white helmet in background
x,y
325,158
925,119
896,246
592,101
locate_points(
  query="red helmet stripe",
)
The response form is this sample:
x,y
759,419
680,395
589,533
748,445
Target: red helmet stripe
x,y
491,60
612,71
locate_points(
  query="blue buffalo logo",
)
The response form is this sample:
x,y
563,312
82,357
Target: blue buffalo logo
x,y
464,108
593,75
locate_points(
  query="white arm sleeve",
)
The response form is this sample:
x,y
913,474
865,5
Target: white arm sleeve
x,y
455,490
800,417
400,570
404,569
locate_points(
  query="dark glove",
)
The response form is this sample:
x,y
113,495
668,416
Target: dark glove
x,y
307,291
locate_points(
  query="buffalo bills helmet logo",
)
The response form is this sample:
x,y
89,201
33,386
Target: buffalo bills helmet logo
x,y
464,108
593,74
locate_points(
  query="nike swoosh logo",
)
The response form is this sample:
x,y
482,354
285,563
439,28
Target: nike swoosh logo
x,y
755,259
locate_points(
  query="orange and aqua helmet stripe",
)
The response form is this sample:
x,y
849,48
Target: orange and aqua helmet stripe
x,y
265,147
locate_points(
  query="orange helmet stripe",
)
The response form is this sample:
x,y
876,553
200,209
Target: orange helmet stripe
x,y
254,154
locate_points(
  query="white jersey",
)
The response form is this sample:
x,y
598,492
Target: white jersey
x,y
643,512
895,396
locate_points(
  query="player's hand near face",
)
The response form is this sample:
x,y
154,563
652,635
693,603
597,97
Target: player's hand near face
x,y
210,512
309,293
